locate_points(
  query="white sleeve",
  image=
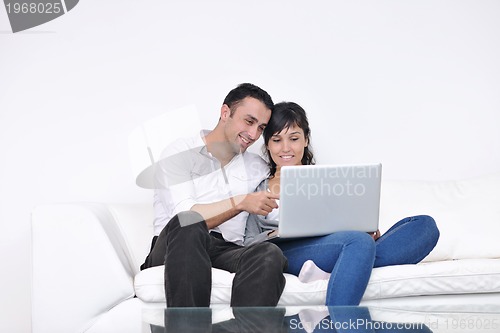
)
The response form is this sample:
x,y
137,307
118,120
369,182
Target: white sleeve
x,y
174,190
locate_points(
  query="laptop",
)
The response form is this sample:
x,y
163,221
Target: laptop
x,y
317,200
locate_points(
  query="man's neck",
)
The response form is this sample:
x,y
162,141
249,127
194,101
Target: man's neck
x,y
219,147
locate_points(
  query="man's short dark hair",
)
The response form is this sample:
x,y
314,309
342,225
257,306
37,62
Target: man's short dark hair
x,y
247,90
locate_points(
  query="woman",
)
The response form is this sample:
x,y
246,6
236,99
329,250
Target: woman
x,y
349,255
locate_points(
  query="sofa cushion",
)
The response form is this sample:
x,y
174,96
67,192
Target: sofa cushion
x,y
435,278
432,278
149,287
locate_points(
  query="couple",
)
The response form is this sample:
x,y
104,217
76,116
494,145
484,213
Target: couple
x,y
209,186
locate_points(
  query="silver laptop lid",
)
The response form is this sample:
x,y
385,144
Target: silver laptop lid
x,y
320,199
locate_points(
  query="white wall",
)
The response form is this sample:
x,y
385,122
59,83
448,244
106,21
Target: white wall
x,y
413,84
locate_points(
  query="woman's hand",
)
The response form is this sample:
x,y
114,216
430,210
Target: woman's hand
x,y
375,235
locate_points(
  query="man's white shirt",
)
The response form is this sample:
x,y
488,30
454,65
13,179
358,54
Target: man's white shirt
x,y
187,174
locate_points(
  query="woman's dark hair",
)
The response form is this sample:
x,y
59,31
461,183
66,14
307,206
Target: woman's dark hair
x,y
284,115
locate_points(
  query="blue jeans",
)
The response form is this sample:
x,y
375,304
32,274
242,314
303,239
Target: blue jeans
x,y
351,255
407,242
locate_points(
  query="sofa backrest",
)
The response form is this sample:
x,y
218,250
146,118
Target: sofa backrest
x,y
136,224
467,213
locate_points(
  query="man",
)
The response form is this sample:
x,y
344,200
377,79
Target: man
x,y
205,190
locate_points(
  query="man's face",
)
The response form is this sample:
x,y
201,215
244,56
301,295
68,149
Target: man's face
x,y
245,125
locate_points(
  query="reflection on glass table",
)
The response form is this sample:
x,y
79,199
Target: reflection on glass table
x,y
317,319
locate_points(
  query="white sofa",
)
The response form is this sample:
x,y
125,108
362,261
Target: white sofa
x,y
86,259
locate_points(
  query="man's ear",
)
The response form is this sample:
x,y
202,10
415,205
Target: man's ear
x,y
225,112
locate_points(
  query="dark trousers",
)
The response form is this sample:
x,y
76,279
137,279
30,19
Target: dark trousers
x,y
246,320
189,251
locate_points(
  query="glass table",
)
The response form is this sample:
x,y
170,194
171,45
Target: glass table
x,y
318,319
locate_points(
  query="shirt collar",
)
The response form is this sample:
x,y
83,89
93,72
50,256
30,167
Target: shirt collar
x,y
203,147
200,142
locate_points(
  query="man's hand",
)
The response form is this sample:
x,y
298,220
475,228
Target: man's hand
x,y
260,203
375,235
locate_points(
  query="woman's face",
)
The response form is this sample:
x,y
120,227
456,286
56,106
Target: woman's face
x,y
287,146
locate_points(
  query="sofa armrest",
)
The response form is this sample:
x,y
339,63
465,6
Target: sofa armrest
x,y
80,266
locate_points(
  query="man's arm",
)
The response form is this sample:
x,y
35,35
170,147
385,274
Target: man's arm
x,y
214,214
177,189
